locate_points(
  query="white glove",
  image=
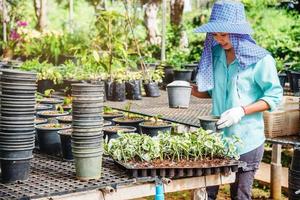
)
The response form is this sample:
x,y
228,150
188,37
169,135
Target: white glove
x,y
230,117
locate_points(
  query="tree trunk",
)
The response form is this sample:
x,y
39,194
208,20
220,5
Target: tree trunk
x,y
150,20
41,14
176,11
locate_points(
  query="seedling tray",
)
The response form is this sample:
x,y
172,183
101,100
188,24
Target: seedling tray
x,y
180,172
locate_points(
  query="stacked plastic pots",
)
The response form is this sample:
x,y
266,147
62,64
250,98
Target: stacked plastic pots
x,y
17,135
87,136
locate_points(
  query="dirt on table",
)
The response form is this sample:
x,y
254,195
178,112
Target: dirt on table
x,y
205,163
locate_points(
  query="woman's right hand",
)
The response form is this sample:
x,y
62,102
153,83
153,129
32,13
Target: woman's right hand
x,y
198,94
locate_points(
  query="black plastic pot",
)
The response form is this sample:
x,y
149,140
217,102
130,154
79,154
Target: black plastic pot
x,y
110,116
50,101
44,85
153,130
66,144
183,75
151,89
43,107
169,74
209,123
294,81
16,153
14,170
109,90
282,78
122,121
133,90
110,134
294,182
42,114
64,119
192,67
119,92
49,140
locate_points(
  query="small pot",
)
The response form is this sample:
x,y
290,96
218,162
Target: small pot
x,y
15,170
50,101
111,116
153,130
51,114
151,89
88,166
67,119
119,91
169,74
65,138
111,132
192,67
179,93
43,107
15,153
133,89
123,121
49,140
209,123
183,75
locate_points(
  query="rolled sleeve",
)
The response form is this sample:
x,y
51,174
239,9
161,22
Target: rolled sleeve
x,y
266,76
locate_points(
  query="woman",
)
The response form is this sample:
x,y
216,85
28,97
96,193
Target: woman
x,y
242,81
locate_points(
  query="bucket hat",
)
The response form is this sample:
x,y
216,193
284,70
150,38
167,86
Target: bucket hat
x,y
227,17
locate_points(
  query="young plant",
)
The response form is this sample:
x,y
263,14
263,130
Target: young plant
x,y
68,100
59,108
48,93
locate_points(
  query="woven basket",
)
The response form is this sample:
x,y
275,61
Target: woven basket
x,y
274,123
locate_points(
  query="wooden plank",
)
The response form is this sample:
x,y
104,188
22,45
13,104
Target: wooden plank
x,y
276,172
263,175
147,189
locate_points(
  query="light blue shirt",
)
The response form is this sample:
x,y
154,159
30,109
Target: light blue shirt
x,y
235,87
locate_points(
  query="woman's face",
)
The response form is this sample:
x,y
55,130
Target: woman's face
x,y
223,39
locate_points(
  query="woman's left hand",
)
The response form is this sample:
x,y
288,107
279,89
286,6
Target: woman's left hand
x,y
230,117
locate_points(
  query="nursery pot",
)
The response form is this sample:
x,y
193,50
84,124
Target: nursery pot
x,y
169,74
295,81
109,90
282,78
151,89
119,92
15,170
88,166
153,130
110,116
123,121
67,119
44,114
133,89
43,107
179,93
66,147
192,67
209,123
183,75
112,131
43,85
49,140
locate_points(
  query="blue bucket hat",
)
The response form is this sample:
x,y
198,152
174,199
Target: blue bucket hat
x,y
227,17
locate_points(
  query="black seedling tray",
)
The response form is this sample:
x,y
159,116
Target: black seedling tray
x,y
180,172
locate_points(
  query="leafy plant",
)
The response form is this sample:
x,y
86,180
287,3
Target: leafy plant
x,y
68,100
48,93
196,145
59,108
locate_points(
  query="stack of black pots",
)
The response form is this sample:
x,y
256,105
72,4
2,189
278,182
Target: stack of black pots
x,y
87,136
17,135
294,176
